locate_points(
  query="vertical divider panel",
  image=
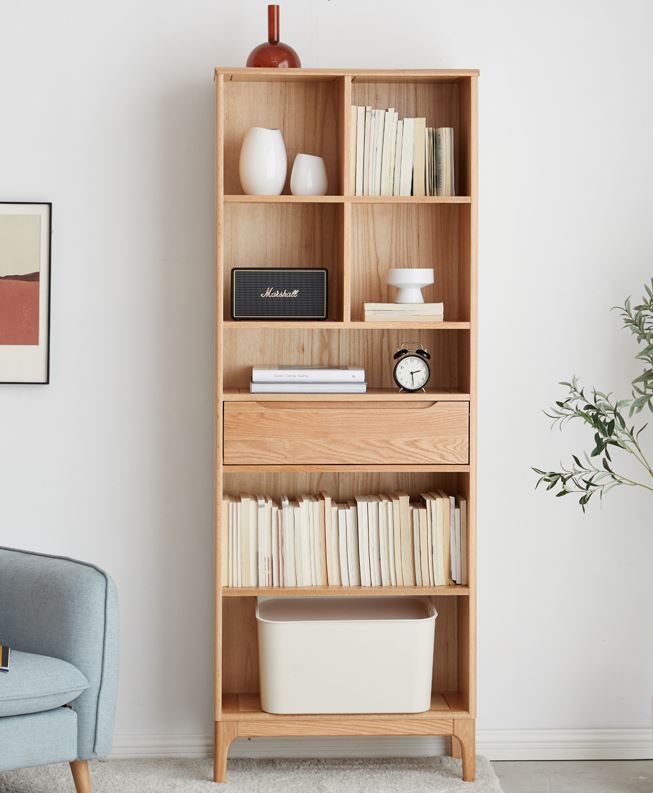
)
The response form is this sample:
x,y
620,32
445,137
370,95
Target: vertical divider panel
x,y
219,385
347,166
344,95
345,242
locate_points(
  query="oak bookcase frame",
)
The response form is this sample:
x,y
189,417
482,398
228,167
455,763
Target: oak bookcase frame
x,y
356,238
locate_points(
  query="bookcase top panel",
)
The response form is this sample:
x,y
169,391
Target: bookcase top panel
x,y
243,74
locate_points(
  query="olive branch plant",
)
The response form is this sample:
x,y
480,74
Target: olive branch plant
x,y
610,419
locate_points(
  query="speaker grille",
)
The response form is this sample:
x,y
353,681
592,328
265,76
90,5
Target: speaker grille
x,y
278,293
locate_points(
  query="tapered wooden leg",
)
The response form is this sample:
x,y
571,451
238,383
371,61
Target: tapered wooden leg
x,y
225,732
81,776
455,749
464,731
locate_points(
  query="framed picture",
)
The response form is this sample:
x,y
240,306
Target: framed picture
x,y
25,237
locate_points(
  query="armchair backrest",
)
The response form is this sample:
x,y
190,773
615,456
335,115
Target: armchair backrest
x,y
68,609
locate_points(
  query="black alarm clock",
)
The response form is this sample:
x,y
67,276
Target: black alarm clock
x,y
412,371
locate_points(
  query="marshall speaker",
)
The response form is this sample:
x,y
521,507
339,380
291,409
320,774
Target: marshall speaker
x,y
279,293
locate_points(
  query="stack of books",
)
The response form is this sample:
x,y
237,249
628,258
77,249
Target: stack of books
x,y
308,380
403,312
376,540
399,157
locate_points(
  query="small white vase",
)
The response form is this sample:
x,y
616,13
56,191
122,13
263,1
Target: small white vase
x,y
263,162
309,176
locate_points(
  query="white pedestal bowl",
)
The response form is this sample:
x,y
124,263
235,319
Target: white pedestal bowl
x,y
410,281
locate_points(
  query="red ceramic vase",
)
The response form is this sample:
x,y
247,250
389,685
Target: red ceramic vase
x,y
274,53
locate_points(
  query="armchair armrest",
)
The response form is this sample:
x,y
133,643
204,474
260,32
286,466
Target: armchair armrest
x,y
67,609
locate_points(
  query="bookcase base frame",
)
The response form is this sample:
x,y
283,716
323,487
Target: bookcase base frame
x,y
462,732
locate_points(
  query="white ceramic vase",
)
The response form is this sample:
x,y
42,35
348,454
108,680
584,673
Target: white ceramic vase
x,y
309,176
263,162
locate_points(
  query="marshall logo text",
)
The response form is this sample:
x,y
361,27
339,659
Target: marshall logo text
x,y
272,292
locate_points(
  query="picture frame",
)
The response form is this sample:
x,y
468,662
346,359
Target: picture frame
x,y
25,279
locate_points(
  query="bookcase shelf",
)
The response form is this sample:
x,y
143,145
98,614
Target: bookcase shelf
x,y
341,199
372,395
246,708
293,468
334,591
356,238
350,325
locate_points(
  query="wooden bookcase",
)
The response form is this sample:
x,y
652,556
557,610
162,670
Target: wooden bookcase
x,y
356,239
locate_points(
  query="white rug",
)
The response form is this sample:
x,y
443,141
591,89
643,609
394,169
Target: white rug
x,y
433,775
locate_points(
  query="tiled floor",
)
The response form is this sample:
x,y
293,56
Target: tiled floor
x,y
589,776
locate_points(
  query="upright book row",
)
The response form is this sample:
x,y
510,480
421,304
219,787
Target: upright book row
x,y
375,540
399,157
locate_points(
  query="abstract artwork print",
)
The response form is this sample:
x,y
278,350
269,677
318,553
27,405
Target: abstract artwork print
x,y
24,292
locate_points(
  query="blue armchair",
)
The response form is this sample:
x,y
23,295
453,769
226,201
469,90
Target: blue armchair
x,y
57,702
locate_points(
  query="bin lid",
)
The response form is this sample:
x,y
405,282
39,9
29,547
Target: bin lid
x,y
344,609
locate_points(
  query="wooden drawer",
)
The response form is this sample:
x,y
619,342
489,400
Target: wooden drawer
x,y
331,433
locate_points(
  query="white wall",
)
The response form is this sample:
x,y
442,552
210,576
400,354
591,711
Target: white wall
x,y
107,112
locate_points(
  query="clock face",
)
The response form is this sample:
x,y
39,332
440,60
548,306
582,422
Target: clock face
x,y
412,373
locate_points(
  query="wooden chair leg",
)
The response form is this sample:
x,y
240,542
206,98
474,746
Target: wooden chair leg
x,y
225,733
464,731
81,776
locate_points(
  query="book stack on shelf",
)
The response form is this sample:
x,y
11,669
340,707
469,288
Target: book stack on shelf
x,y
375,540
399,157
308,380
403,312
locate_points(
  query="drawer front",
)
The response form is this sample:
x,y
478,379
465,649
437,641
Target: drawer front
x,y
341,433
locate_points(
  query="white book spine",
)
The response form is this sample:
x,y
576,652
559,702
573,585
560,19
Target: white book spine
x,y
379,132
399,142
288,544
445,177
373,529
384,556
419,172
253,539
391,541
353,562
360,148
407,152
363,542
342,545
367,152
389,163
414,514
335,546
299,547
233,544
275,545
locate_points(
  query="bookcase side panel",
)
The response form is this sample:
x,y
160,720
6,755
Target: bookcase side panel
x,y
219,263
470,607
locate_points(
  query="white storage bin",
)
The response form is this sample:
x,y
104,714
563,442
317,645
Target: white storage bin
x,y
346,655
